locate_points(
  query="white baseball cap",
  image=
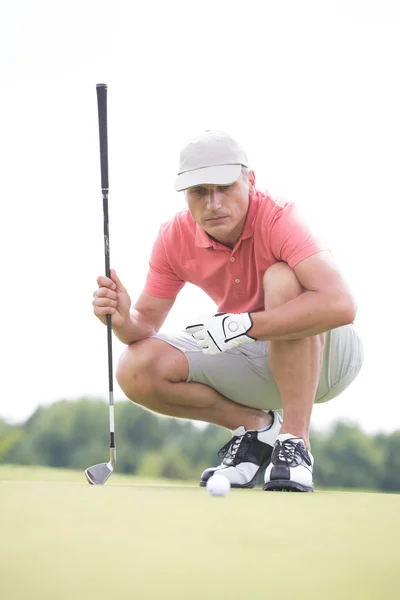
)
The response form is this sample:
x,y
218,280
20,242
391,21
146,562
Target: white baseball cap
x,y
213,158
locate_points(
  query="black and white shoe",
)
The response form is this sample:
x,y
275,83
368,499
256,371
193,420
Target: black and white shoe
x,y
291,467
246,455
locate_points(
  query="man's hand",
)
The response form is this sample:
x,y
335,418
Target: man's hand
x,y
220,332
111,298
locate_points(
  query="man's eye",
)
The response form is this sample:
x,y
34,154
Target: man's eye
x,y
224,188
199,191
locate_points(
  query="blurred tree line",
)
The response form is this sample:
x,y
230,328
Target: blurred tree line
x,y
75,434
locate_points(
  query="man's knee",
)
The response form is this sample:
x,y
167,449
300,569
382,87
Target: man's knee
x,y
280,285
144,366
134,369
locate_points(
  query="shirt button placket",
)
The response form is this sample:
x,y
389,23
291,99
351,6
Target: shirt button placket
x,y
236,277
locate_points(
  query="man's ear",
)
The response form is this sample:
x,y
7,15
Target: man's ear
x,y
252,182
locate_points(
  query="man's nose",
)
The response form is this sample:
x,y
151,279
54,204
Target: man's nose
x,y
214,200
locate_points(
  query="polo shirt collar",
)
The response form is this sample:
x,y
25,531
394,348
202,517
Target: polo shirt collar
x,y
203,240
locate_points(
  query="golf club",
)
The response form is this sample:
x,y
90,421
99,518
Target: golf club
x,y
98,474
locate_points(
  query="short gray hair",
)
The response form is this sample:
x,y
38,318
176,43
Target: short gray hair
x,y
245,173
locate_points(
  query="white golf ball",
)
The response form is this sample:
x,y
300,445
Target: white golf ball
x,y
218,485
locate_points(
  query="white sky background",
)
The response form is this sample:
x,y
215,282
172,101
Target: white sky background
x,y
310,89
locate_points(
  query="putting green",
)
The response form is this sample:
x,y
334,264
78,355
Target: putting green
x,y
63,539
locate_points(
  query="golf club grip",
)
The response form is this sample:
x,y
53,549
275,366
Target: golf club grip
x,y
101,89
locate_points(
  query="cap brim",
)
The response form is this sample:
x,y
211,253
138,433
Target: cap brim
x,y
220,175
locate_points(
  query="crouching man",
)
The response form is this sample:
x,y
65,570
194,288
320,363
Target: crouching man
x,y
282,338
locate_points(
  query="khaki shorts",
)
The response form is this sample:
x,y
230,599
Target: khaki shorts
x,y
243,374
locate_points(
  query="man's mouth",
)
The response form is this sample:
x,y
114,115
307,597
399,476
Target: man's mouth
x,y
215,219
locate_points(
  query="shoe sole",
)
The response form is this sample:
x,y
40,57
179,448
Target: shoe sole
x,y
282,485
250,484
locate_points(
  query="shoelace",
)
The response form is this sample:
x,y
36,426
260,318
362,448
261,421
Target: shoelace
x,y
289,453
230,452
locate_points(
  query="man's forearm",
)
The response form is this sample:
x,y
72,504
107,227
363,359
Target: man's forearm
x,y
309,314
138,328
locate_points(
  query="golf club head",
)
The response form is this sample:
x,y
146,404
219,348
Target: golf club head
x,y
98,474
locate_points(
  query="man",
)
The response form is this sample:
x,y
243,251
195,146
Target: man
x,y
282,337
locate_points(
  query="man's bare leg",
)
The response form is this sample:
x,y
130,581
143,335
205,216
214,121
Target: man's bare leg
x,y
295,364
153,373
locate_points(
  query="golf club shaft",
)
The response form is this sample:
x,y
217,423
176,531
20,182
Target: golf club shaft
x,y
101,89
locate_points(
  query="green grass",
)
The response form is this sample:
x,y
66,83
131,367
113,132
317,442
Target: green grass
x,y
61,538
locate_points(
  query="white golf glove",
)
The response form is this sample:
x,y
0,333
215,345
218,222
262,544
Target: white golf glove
x,y
220,332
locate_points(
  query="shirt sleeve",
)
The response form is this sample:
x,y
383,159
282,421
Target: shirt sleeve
x,y
291,240
161,280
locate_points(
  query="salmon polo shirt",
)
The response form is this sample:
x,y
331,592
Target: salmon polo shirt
x,y
233,278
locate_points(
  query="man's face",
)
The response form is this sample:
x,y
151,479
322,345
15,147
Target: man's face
x,y
221,209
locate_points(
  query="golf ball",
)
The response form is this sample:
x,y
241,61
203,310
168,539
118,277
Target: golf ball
x,y
218,485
